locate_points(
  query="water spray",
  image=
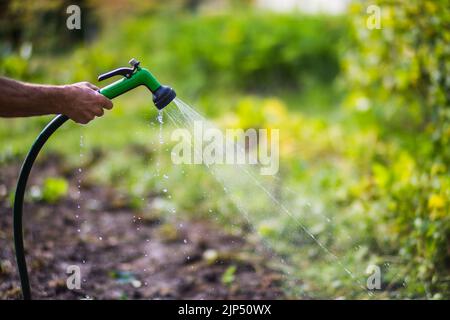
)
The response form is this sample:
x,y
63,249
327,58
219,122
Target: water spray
x,y
132,77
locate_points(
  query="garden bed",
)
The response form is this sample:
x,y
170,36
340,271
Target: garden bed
x,y
124,253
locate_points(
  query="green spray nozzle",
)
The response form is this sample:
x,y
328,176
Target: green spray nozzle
x,y
134,77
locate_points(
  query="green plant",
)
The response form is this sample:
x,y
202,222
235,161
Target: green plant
x,y
409,98
228,276
53,189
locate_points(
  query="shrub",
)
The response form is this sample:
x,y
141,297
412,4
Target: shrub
x,y
401,73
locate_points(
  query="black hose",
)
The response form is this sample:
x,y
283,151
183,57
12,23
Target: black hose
x,y
18,200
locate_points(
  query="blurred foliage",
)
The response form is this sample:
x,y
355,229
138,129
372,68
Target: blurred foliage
x,y
42,24
52,190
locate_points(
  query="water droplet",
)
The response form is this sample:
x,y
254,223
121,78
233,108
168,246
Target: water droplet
x,y
164,190
100,238
185,241
161,121
160,117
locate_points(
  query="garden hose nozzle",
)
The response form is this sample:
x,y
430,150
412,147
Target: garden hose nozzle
x,y
134,77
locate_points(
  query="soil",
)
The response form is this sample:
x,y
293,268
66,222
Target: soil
x,y
124,253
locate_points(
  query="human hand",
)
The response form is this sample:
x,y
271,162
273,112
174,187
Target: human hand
x,y
81,102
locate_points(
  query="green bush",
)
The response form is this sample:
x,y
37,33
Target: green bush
x,y
227,51
400,75
255,51
377,169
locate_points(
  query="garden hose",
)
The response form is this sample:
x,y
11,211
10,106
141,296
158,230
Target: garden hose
x,y
133,77
57,122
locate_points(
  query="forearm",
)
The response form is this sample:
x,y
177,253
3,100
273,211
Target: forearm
x,y
80,101
18,99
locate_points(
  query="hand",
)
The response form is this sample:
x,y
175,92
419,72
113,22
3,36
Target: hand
x,y
82,103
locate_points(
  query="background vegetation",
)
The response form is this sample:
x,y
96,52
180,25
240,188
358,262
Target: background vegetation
x,y
364,118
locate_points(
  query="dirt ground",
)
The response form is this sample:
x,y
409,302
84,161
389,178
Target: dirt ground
x,y
122,253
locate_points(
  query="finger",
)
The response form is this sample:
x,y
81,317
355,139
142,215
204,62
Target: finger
x,y
90,85
99,112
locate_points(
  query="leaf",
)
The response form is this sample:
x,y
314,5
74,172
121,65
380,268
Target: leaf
x,y
54,189
228,276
